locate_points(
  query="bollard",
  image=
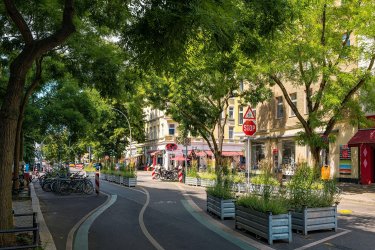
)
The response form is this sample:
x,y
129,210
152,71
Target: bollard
x,y
153,173
180,175
97,183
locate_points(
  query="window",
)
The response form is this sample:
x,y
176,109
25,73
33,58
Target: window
x,y
279,107
171,129
344,38
293,98
289,152
241,86
231,112
231,135
240,115
257,151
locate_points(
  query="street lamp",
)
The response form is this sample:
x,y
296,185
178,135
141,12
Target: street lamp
x,y
130,130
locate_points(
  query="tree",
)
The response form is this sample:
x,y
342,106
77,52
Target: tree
x,y
32,48
319,52
198,96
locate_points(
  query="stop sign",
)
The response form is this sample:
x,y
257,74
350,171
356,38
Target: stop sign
x,y
249,127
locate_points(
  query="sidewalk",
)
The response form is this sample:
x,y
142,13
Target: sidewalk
x,y
29,206
357,192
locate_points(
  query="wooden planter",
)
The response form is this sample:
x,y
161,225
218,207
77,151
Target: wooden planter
x,y
268,226
192,181
130,182
311,219
220,207
207,183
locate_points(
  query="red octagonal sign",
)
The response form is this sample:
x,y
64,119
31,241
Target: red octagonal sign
x,y
249,127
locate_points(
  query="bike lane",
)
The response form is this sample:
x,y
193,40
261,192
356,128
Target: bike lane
x,y
61,213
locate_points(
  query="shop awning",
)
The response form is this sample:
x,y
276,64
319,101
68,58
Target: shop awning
x,y
156,152
361,137
232,153
179,158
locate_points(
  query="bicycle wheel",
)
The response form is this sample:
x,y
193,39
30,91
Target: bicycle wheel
x,y
46,186
64,188
88,187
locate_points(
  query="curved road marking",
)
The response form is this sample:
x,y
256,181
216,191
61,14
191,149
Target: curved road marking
x,y
81,239
142,224
225,232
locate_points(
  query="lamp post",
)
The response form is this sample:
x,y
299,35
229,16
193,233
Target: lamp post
x,y
130,130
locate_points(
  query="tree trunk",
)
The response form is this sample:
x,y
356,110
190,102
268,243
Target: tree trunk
x,y
315,151
17,156
9,114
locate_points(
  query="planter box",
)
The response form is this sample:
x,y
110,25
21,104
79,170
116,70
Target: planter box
x,y
121,180
130,182
311,219
192,181
207,183
111,178
220,207
116,179
268,226
103,176
239,187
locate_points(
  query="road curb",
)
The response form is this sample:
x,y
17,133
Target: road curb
x,y
44,233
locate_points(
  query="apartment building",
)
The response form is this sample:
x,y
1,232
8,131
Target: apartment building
x,y
350,157
163,145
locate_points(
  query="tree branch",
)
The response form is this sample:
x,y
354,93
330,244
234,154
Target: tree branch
x,y
331,123
291,104
19,21
323,39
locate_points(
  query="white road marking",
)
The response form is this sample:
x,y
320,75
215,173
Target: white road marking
x,y
324,239
142,224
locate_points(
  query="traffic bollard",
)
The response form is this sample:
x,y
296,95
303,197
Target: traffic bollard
x,y
97,183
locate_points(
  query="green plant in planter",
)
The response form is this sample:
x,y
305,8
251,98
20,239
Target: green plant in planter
x,y
206,175
192,171
238,178
128,174
306,189
275,205
220,191
264,180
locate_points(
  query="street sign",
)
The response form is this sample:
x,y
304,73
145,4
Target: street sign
x,y
249,127
171,147
249,114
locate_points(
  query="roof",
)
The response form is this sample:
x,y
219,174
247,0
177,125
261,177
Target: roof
x,y
362,137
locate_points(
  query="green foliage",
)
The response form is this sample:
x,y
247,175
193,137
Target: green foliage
x,y
258,203
193,170
264,180
90,168
206,175
307,190
220,191
238,177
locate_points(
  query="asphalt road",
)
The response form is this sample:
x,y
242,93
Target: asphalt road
x,y
157,215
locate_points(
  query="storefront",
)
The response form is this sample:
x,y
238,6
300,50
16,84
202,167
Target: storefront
x,y
364,139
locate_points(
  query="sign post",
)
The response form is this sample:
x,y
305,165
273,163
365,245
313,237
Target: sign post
x,y
249,128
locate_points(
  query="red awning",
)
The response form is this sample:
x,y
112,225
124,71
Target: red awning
x,y
361,137
201,153
232,153
179,158
156,152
